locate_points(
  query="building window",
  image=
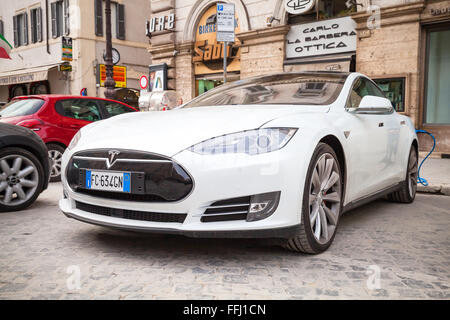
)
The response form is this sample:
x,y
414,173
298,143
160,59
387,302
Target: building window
x,y
117,12
20,30
437,93
98,10
57,19
1,27
60,18
66,18
394,90
120,21
326,9
36,25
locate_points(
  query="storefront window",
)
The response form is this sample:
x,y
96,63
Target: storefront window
x,y
437,110
203,86
394,90
326,9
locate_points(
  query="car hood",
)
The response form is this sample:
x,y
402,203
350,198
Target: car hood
x,y
169,132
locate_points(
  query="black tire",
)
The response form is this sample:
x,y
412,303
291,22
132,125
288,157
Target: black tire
x,y
407,193
40,174
305,241
52,149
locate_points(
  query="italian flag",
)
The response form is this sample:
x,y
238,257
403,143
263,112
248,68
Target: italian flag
x,y
5,48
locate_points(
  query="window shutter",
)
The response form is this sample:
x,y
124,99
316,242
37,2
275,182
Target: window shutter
x,y
16,32
120,21
33,25
99,18
54,25
39,24
25,29
66,18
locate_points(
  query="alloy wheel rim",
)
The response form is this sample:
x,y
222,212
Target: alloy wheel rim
x,y
56,158
325,198
412,174
19,180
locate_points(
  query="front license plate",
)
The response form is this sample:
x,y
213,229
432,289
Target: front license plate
x,y
108,181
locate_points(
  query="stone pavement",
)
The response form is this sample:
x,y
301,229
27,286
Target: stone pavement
x,y
437,173
43,254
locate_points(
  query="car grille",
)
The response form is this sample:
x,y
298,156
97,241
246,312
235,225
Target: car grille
x,y
154,178
131,214
227,210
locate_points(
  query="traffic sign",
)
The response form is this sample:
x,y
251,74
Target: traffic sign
x,y
225,17
225,30
143,82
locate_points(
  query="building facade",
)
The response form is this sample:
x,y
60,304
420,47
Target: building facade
x,y
403,45
51,36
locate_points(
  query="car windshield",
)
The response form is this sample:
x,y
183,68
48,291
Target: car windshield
x,y
23,107
281,89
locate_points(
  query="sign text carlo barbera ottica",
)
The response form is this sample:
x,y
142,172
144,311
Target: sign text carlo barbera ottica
x,y
322,37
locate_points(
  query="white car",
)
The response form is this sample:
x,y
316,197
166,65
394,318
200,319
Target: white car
x,y
279,156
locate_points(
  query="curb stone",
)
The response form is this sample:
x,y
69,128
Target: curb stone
x,y
443,189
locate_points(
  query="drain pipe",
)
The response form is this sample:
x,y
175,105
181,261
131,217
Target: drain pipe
x,y
46,26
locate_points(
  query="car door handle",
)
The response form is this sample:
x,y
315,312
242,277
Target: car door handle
x,y
74,126
381,124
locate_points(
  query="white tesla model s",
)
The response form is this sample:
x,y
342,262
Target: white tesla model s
x,y
278,156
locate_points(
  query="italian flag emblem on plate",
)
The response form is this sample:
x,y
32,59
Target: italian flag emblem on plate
x,y
5,48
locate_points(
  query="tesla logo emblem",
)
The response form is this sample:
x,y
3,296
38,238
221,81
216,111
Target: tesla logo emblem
x,y
112,158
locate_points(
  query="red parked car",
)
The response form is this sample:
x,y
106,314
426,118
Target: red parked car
x,y
57,118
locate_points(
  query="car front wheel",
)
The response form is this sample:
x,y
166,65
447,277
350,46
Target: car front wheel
x,y
21,179
322,203
55,153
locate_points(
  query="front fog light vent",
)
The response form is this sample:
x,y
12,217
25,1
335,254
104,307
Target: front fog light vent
x,y
251,208
263,205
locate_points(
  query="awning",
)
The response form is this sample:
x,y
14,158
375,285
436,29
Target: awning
x,y
335,62
25,75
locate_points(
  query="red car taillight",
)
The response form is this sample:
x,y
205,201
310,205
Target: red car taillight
x,y
32,124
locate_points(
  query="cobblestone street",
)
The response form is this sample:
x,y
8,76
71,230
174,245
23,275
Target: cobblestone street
x,y
408,244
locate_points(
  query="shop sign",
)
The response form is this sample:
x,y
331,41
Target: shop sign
x,y
161,23
23,78
65,67
322,37
119,75
299,6
67,49
439,11
208,52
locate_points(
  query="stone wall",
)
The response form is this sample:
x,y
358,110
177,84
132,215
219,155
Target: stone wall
x,y
262,51
393,49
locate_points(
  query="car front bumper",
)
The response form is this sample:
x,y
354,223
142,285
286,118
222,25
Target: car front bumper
x,y
216,178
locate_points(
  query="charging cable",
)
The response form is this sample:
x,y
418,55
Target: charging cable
x,y
421,180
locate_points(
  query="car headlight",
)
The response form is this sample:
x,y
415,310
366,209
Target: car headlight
x,y
76,138
251,142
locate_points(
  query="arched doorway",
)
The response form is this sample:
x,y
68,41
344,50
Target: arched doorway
x,y
208,53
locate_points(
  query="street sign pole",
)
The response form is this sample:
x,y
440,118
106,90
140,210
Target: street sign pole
x,y
225,49
225,31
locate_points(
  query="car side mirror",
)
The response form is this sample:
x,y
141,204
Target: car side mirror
x,y
373,105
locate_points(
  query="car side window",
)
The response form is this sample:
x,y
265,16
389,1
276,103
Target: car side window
x,y
114,109
375,90
80,109
361,88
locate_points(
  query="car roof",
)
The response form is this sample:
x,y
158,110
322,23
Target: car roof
x,y
331,74
62,96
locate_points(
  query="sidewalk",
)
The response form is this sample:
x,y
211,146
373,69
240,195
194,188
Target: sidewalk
x,y
437,173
